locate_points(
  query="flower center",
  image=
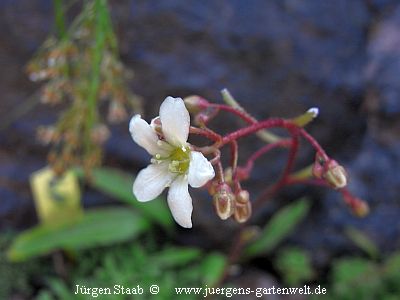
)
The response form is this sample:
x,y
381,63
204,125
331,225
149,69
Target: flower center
x,y
179,160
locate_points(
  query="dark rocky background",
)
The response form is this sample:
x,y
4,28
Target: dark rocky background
x,y
278,58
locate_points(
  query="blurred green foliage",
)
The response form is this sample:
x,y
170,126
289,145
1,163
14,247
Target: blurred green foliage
x,y
281,225
127,264
361,278
143,261
17,278
135,264
295,266
97,227
349,278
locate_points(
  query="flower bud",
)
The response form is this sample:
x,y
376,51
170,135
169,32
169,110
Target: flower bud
x,y
329,170
212,187
242,207
357,206
195,104
224,201
242,212
156,125
201,119
336,176
205,116
360,209
243,197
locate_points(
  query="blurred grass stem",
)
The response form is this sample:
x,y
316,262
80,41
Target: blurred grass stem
x,y
59,19
100,11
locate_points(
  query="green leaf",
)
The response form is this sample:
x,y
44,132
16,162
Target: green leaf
x,y
44,295
118,184
213,268
176,257
357,277
392,266
278,228
295,266
348,269
61,290
363,242
97,227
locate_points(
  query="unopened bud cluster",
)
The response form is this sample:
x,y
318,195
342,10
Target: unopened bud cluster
x,y
229,204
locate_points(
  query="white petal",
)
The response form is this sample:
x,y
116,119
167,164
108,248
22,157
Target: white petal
x,y
175,121
151,181
145,136
180,202
200,170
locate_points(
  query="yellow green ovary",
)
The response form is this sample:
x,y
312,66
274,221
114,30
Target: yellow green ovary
x,y
179,160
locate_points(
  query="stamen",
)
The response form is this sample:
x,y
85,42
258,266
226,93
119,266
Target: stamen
x,y
179,160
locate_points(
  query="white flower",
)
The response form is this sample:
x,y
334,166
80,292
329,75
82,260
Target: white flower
x,y
174,164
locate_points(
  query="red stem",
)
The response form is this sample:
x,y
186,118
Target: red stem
x,y
286,172
234,161
314,143
234,155
260,152
240,113
216,158
219,172
273,123
208,133
292,157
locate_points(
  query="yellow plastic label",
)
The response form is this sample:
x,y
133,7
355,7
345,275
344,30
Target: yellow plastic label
x,y
57,199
